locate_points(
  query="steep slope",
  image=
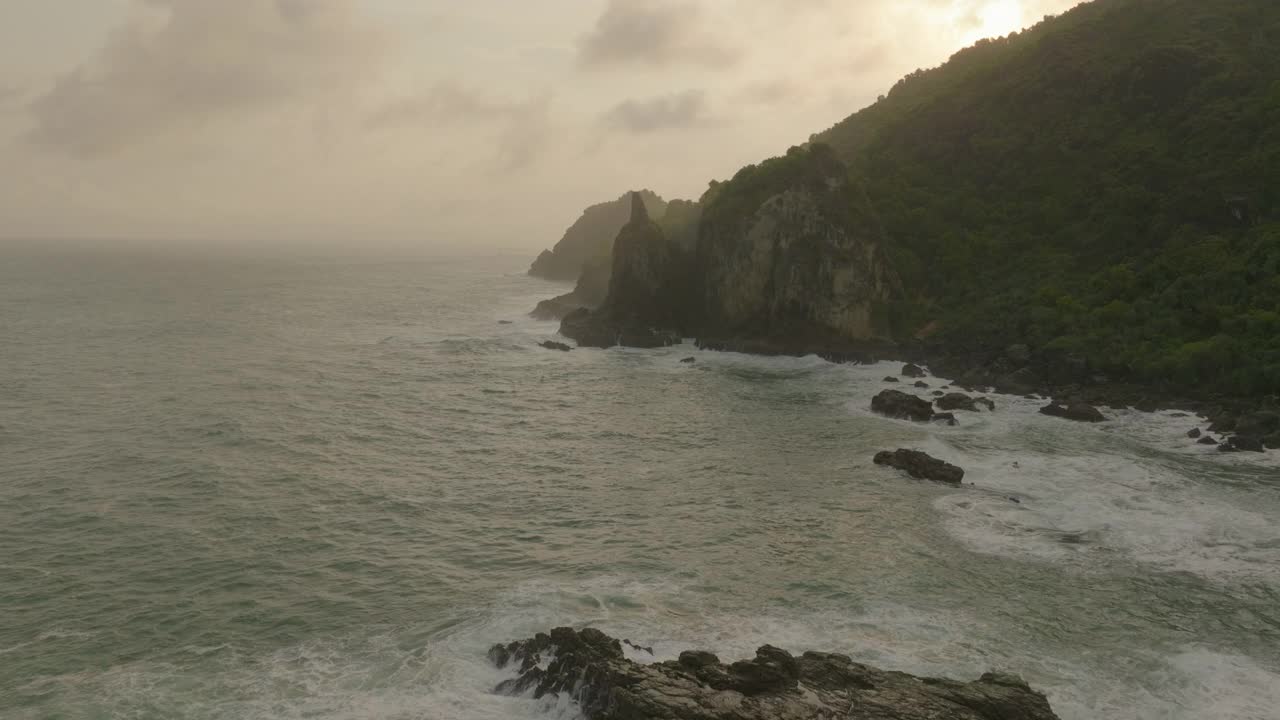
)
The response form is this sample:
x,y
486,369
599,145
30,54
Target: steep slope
x,y
1103,187
590,238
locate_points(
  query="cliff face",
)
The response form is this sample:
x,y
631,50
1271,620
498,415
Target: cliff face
x,y
590,239
791,251
786,257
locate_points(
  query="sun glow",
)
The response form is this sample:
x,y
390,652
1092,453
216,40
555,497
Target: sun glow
x,y
994,19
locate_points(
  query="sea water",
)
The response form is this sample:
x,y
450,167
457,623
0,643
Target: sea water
x,y
252,485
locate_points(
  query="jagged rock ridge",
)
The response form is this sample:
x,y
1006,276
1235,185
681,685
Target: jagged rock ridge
x,y
590,667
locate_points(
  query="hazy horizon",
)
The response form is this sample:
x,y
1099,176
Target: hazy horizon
x,y
402,123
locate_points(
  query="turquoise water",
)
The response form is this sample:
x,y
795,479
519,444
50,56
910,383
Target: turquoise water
x,y
249,485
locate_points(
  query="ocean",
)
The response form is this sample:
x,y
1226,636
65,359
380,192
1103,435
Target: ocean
x,y
248,484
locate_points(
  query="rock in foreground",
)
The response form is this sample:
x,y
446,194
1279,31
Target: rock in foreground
x,y
921,466
589,666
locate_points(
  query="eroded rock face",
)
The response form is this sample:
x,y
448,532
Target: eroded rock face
x,y
791,248
589,667
921,466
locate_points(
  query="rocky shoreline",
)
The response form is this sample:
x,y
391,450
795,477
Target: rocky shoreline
x,y
591,668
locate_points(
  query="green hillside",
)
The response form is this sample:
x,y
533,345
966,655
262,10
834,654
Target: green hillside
x,y
1106,184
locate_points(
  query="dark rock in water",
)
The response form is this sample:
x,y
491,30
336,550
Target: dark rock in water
x,y
1080,412
1258,424
689,360
552,345
1178,415
938,393
589,667
922,385
1242,443
1194,433
891,379
912,370
1016,500
946,417
957,401
504,322
895,404
641,648
921,466
988,402
1208,440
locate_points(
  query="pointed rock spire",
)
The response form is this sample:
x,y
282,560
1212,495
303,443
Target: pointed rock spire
x,y
639,213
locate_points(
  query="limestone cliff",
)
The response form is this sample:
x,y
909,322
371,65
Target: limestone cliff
x,y
792,252
590,239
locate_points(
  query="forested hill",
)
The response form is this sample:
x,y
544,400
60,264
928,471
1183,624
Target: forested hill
x,y
1105,184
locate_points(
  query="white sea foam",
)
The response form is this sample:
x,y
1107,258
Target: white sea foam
x,y
1134,487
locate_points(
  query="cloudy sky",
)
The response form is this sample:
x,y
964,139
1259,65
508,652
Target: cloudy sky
x,y
424,121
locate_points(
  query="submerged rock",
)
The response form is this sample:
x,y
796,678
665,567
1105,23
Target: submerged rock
x,y
900,405
891,379
552,345
922,385
1208,440
1194,433
1080,412
921,466
689,360
589,667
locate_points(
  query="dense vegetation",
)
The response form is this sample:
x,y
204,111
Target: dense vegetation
x,y
1106,183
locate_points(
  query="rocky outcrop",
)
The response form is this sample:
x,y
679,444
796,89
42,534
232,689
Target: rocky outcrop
x,y
921,466
902,406
590,239
1080,412
791,250
589,667
591,291
648,297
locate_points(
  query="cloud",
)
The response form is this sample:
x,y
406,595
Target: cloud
x,y
653,32
190,62
445,103
675,111
525,126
